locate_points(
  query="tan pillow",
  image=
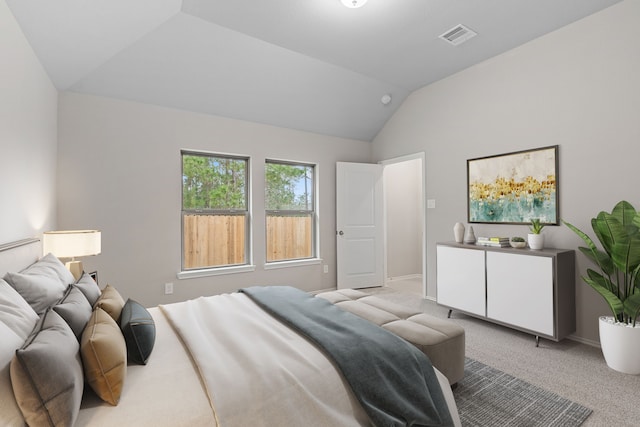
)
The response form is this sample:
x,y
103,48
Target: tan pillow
x,y
104,355
111,302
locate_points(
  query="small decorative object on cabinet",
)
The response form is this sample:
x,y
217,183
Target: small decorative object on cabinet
x,y
536,238
617,281
470,236
458,232
517,242
532,291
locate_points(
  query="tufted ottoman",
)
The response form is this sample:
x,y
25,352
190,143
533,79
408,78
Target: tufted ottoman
x,y
440,339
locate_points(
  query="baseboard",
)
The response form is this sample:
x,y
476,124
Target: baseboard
x,y
586,341
407,277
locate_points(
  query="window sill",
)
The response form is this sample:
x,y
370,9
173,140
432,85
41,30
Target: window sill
x,y
293,263
192,274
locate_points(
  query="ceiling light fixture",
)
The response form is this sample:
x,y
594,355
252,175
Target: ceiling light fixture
x,y
353,4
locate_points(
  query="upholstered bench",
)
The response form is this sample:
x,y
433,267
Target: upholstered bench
x,y
440,339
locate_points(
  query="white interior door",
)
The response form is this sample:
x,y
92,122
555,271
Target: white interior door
x,y
359,220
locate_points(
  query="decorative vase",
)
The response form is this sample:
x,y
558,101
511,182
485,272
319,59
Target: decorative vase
x,y
470,236
536,241
620,345
458,232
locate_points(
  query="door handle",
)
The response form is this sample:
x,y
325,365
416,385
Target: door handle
x,y
340,233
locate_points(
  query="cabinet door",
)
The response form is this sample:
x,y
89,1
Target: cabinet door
x,y
520,291
460,279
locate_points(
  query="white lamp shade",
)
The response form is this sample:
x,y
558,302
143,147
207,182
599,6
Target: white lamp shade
x,y
353,4
71,243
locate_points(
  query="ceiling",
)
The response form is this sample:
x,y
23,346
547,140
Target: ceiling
x,y
312,65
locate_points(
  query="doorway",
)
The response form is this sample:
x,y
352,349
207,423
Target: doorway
x,y
405,222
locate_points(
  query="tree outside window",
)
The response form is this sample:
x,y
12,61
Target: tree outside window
x,y
290,211
215,225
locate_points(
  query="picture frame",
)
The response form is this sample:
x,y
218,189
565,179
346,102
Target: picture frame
x,y
514,188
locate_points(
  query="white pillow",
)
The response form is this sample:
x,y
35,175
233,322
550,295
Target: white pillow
x,y
15,312
10,414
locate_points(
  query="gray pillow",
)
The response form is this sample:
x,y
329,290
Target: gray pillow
x,y
74,309
40,291
42,283
139,331
89,288
50,265
46,374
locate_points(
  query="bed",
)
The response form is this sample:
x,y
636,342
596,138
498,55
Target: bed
x,y
219,360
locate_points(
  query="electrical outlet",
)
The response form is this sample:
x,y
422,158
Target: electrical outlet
x,y
431,203
325,268
168,288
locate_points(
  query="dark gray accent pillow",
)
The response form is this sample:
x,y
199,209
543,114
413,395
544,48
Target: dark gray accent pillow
x,y
46,374
139,331
74,309
89,288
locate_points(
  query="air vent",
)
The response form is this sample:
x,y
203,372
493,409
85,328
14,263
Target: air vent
x,y
458,35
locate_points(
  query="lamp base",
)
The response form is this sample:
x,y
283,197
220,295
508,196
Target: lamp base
x,y
76,268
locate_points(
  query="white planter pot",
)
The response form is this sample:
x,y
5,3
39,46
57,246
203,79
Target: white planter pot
x,y
620,345
536,241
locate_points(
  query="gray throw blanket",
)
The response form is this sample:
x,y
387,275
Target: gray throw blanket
x,y
394,382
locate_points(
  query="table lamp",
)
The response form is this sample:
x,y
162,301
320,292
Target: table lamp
x,y
72,244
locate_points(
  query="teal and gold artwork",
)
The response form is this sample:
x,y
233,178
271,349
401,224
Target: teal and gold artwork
x,y
514,188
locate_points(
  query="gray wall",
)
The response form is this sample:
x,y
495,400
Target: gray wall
x,y
28,103
119,171
577,87
403,216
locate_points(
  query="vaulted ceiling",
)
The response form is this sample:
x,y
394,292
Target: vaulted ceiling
x,y
312,65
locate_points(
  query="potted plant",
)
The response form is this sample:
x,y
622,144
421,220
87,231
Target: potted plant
x,y
517,242
617,281
536,238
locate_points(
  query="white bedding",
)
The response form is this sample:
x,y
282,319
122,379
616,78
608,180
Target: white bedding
x,y
259,372
167,391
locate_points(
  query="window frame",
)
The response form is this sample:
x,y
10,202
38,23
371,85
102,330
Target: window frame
x,y
313,212
225,268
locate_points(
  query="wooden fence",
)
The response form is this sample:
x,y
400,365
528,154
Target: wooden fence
x,y
215,240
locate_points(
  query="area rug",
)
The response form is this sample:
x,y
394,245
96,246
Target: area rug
x,y
489,397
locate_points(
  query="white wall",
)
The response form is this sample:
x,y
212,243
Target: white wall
x,y
28,103
577,87
119,171
403,193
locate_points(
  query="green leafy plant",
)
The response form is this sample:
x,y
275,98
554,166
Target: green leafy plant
x,y
618,261
517,239
536,226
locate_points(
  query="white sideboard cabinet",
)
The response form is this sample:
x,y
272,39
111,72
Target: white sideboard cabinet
x,y
529,290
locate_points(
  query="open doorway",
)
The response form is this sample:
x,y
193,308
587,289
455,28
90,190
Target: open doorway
x,y
405,222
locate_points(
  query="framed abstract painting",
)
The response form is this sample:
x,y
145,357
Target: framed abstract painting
x,y
514,188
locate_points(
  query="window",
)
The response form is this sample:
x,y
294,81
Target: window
x,y
215,214
290,211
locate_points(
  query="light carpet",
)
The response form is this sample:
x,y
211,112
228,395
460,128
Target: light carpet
x,y
568,368
489,397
